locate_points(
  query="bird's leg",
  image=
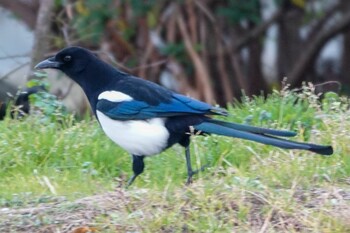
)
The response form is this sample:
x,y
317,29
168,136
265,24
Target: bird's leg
x,y
189,166
190,171
137,166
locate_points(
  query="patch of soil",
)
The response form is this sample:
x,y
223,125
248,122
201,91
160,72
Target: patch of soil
x,y
62,216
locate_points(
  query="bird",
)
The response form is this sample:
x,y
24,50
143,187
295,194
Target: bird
x,y
145,118
21,105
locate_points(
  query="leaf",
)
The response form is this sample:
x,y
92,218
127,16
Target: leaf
x,y
299,3
81,8
84,230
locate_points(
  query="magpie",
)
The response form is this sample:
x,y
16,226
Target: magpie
x,y
21,106
145,119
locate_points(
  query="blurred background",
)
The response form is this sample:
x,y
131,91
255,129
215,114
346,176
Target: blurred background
x,y
214,50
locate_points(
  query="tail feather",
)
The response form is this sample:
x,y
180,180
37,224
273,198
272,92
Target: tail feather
x,y
253,129
222,129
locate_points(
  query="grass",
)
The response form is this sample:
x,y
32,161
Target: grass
x,y
70,167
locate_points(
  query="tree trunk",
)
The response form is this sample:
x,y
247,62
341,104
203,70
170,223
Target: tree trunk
x,y
310,53
201,71
42,33
289,41
345,66
256,81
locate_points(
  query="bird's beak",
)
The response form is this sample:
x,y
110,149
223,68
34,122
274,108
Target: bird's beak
x,y
48,63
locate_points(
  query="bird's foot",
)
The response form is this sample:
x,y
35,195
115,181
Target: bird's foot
x,y
191,173
130,181
137,166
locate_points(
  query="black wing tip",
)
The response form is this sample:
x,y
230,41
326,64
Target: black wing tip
x,y
323,150
285,133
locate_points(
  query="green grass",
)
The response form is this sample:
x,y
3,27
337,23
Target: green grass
x,y
248,187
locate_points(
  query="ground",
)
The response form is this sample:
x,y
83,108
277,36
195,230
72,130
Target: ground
x,y
102,212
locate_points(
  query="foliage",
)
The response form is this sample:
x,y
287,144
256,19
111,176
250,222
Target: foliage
x,y
297,3
232,36
44,103
239,10
91,23
141,8
94,15
210,48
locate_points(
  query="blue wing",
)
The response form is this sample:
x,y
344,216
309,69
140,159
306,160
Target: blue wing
x,y
139,110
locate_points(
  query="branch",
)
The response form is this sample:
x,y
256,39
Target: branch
x,y
223,75
201,70
14,56
7,75
42,31
309,55
259,30
205,10
322,21
251,35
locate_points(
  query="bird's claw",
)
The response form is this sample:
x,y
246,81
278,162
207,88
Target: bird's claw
x,y
191,173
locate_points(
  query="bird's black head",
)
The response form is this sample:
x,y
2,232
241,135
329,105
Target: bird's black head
x,y
85,68
72,61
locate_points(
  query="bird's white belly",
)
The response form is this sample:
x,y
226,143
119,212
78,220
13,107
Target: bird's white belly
x,y
138,137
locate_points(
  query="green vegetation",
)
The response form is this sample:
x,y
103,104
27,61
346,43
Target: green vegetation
x,y
71,167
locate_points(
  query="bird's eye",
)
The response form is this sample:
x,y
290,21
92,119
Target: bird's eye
x,y
67,58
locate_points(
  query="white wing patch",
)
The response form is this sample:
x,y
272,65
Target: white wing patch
x,y
138,137
114,96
